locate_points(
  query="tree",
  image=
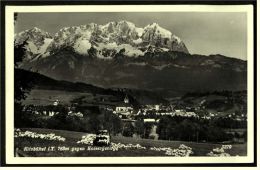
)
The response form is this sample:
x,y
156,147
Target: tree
x,y
94,124
128,129
147,129
23,83
140,128
143,129
111,122
164,127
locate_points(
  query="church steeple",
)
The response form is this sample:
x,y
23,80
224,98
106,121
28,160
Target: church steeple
x,y
126,100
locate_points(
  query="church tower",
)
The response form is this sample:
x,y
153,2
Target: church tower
x,y
126,100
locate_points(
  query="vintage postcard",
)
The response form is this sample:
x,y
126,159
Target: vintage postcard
x,y
129,84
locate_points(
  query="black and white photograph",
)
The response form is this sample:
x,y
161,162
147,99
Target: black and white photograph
x,y
152,84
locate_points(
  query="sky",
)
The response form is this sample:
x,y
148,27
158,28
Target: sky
x,y
202,32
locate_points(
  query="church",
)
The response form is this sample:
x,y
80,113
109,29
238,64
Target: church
x,y
124,108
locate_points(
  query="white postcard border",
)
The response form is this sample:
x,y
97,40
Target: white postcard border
x,y
10,159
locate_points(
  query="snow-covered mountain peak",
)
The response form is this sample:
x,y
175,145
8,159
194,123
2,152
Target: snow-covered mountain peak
x,y
153,26
107,39
36,29
37,41
129,24
33,33
156,29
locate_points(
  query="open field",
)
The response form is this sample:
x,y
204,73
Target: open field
x,y
81,150
47,97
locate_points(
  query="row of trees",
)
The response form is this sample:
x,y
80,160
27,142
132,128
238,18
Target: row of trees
x,y
89,123
168,128
192,129
225,93
139,128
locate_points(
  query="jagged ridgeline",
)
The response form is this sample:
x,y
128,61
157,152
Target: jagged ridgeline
x,y
120,54
106,39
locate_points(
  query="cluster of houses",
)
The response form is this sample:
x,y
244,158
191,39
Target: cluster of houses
x,y
234,116
237,117
78,114
182,113
49,110
126,111
39,110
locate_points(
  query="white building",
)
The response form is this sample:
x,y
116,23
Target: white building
x,y
153,107
149,120
123,108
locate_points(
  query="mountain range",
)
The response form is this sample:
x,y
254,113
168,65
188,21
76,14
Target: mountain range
x,y
121,55
107,39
